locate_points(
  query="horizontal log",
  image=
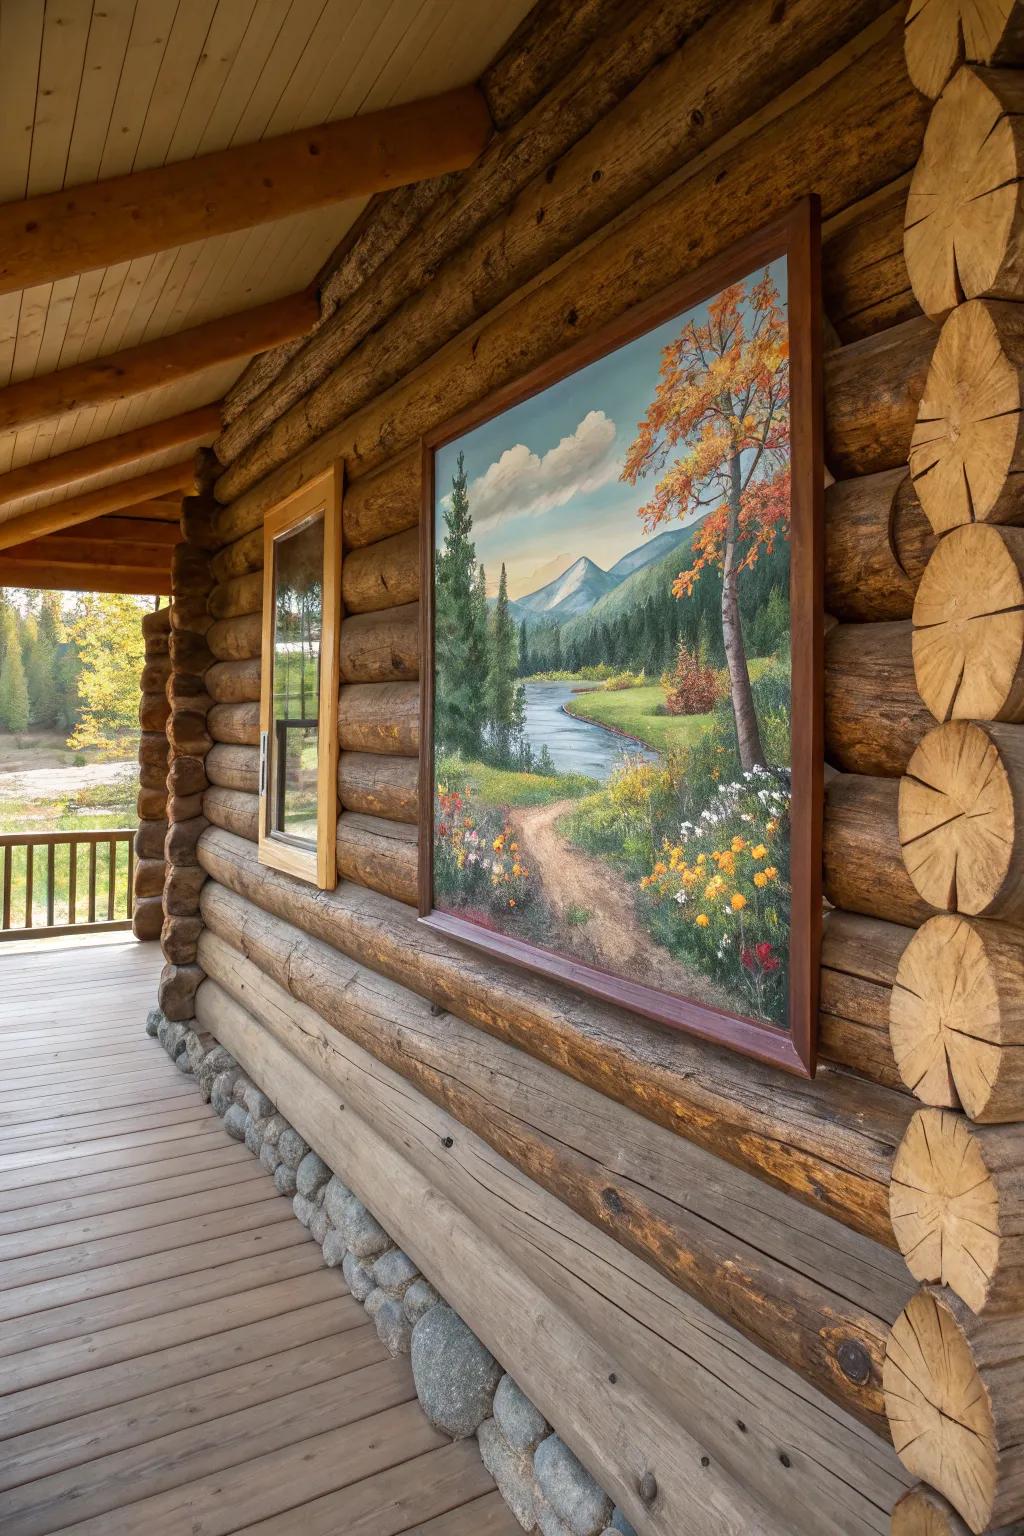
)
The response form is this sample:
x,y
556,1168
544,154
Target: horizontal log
x,y
151,804
182,840
235,810
236,724
877,544
149,839
698,1239
236,596
236,639
633,260
234,767
154,775
952,1388
836,1158
59,234
154,675
148,878
872,391
961,819
859,961
153,749
385,503
181,889
957,1016
78,548
379,854
500,1282
153,364
190,652
61,469
865,284
154,711
186,775
863,870
179,939
234,682
156,622
957,1205
380,717
874,715
383,575
147,918
185,807
176,991
379,786
50,576
241,558
381,647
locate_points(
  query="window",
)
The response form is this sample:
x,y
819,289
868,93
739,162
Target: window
x,y
299,685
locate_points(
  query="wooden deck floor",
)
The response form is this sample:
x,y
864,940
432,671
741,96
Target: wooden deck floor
x,y
175,1358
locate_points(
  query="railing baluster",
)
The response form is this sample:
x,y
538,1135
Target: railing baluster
x,y
117,867
92,882
30,849
72,881
129,904
111,878
8,872
51,882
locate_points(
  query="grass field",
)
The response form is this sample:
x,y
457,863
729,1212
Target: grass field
x,y
501,786
632,711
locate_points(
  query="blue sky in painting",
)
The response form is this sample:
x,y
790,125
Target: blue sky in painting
x,y
544,476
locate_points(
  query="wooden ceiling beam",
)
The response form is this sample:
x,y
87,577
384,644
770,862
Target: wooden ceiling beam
x,y
61,549
109,498
154,511
167,360
80,229
48,576
116,529
191,428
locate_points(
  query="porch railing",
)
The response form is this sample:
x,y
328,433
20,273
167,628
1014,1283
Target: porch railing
x,y
66,882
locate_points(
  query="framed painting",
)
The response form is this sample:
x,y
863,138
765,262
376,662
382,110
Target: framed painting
x,y
621,762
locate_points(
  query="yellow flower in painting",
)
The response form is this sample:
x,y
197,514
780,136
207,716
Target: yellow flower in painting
x,y
771,872
517,869
771,826
701,920
738,902
660,868
513,847
702,859
758,852
499,842
738,844
760,879
690,877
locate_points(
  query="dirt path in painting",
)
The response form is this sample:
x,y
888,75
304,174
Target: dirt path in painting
x,y
611,937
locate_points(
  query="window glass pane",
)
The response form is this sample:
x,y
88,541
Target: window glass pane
x,y
298,620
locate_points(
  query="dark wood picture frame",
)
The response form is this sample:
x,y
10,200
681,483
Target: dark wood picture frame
x,y
795,236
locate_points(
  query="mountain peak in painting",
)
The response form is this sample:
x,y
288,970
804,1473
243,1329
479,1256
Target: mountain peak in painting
x,y
650,550
577,589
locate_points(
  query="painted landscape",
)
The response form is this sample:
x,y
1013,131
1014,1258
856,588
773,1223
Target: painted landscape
x,y
612,661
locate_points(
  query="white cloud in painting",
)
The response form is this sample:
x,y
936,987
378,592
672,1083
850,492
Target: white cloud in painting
x,y
523,483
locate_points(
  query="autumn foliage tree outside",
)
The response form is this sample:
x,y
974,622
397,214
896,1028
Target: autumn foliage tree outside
x,y
612,660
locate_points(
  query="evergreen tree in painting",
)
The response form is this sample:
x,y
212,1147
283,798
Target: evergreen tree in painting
x,y
501,678
460,630
717,436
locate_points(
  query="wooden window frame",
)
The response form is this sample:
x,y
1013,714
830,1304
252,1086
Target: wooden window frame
x,y
794,235
319,866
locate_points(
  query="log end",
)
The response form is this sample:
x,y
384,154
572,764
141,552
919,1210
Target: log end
x,y
923,1512
938,1407
945,1207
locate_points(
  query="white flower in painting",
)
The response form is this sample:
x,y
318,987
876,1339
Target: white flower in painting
x,y
523,483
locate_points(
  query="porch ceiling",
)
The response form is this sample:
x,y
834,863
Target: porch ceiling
x,y
96,89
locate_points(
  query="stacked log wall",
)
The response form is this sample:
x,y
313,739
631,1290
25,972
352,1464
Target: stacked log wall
x,y
537,259
151,805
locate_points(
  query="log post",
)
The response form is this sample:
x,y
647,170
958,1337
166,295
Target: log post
x,y
969,625
956,1198
148,880
956,1016
189,744
964,228
955,1409
961,819
967,448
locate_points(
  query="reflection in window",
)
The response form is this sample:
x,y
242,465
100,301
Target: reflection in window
x,y
298,624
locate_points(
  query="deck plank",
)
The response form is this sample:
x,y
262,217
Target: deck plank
x,y
177,1357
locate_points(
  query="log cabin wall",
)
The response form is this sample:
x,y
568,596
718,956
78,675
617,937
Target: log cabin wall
x,y
148,880
733,1288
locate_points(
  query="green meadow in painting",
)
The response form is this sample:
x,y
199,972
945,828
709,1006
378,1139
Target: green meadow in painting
x,y
612,661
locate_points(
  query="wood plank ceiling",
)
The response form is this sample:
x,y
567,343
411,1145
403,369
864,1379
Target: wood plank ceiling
x,y
93,89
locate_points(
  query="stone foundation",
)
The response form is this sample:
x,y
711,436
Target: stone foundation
x,y
461,1387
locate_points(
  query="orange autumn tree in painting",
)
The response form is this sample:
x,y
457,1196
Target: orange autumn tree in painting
x,y
717,436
